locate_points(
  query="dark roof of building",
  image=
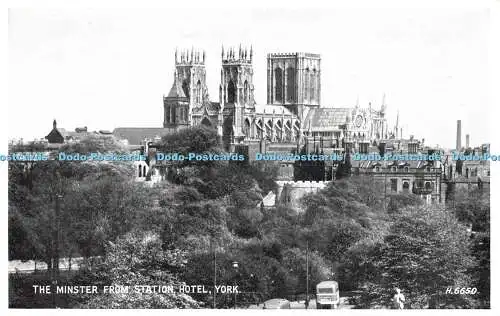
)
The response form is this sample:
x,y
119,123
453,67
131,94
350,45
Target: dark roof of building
x,y
54,133
136,135
321,119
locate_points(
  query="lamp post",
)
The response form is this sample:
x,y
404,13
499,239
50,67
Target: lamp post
x,y
55,247
307,274
235,267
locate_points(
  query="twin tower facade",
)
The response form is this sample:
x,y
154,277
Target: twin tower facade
x,y
293,88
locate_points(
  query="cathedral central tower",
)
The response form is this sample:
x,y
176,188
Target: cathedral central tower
x,y
294,81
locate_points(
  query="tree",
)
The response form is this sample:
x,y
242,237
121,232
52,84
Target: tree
x,y
138,259
34,188
426,251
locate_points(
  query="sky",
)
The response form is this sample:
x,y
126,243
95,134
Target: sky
x,y
108,68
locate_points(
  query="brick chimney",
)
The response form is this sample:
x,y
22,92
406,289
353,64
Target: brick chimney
x,y
459,135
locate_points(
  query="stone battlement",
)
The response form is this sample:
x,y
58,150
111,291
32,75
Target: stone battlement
x,y
293,55
308,184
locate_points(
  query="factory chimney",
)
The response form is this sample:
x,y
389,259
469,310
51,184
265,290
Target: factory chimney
x,y
467,141
459,135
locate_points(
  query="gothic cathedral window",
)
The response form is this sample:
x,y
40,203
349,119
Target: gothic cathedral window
x,y
246,128
198,92
185,87
246,92
290,85
313,86
278,77
306,86
231,92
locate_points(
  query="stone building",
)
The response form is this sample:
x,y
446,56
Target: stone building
x,y
292,113
291,121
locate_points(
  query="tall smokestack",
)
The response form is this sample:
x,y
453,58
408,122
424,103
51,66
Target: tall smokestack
x,y
459,135
467,141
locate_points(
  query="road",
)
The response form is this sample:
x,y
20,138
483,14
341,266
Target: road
x,y
344,304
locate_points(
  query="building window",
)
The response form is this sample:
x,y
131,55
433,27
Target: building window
x,y
231,92
198,92
278,77
140,171
393,169
407,169
406,186
290,84
394,185
185,87
306,85
363,148
167,114
246,92
428,185
377,169
313,85
246,128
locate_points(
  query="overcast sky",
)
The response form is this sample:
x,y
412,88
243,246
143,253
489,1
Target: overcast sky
x,y
109,68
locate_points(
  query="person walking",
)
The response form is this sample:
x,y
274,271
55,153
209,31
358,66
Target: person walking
x,y
398,299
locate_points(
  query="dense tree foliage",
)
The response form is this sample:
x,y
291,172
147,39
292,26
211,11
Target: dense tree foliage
x,y
138,259
190,230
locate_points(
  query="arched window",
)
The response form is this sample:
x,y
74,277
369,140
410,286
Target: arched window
x,y
245,92
167,114
231,92
198,92
306,85
290,85
140,171
278,77
185,87
246,128
406,186
313,85
143,171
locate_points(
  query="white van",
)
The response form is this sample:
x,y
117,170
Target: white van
x,y
327,295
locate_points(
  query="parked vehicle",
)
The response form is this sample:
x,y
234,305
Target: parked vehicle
x,y
277,303
327,295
